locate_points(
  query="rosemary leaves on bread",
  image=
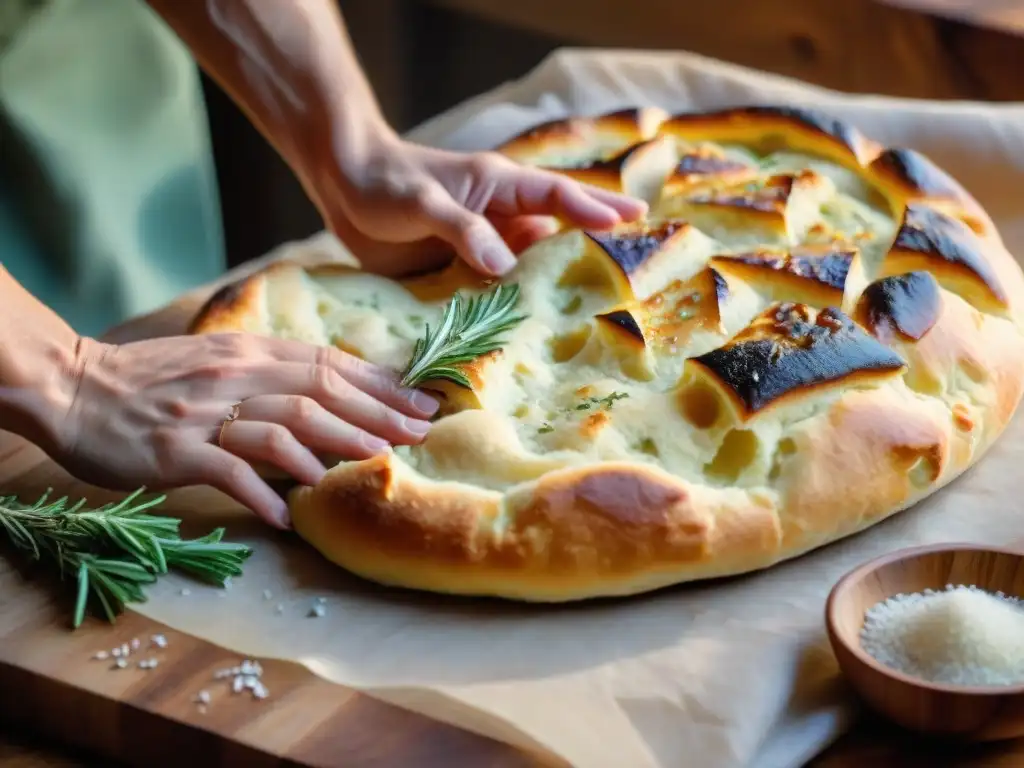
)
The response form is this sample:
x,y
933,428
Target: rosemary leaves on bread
x,y
468,329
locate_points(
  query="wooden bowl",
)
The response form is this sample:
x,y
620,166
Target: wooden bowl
x,y
959,712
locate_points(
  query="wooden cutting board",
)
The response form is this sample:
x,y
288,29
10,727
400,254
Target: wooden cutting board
x,y
50,683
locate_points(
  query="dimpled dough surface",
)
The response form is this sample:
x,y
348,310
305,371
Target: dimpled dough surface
x,y
809,333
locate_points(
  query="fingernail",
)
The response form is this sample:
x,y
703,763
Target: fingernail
x,y
639,208
417,427
424,403
282,517
375,444
498,262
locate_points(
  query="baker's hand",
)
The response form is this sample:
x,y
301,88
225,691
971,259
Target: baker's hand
x,y
395,195
199,410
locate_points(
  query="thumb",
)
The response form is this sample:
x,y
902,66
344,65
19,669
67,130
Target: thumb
x,y
474,239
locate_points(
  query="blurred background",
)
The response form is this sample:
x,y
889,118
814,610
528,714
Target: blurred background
x,y
127,177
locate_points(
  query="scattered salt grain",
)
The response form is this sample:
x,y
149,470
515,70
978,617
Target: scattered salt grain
x,y
203,697
185,591
267,594
148,664
961,635
317,611
101,655
279,608
245,676
136,643
160,641
121,663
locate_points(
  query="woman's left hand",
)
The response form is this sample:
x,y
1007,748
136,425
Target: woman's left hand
x,y
483,205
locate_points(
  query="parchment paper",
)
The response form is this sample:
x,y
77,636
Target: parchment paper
x,y
737,673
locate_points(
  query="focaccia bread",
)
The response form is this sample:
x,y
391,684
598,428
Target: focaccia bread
x,y
809,333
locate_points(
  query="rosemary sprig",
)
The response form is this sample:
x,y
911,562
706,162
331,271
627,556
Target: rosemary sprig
x,y
117,549
468,329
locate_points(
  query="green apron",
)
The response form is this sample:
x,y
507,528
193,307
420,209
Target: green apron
x,y
108,199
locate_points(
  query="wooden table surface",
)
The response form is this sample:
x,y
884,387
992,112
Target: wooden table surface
x,y
932,49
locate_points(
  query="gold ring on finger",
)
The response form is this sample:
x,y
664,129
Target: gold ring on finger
x,y
230,417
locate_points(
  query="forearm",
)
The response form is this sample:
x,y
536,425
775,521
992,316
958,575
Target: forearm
x,y
290,66
37,362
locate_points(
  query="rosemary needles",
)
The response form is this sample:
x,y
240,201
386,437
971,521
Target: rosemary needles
x,y
117,549
468,329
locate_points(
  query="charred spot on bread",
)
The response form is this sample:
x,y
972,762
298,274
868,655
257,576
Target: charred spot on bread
x,y
222,300
770,197
929,239
770,128
813,274
788,351
621,333
907,304
630,249
624,322
588,137
918,175
707,167
704,164
628,262
721,286
782,205
639,170
613,164
906,176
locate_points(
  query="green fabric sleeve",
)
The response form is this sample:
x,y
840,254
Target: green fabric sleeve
x,y
108,199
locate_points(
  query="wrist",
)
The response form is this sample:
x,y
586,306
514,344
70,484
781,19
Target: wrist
x,y
38,389
340,162
40,361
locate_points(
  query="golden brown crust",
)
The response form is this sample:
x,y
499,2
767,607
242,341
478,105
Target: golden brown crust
x,y
892,449
929,239
585,139
628,527
768,127
706,167
229,308
895,380
638,170
905,176
813,275
226,309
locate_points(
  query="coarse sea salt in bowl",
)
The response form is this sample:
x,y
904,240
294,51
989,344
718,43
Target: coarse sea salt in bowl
x,y
932,638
